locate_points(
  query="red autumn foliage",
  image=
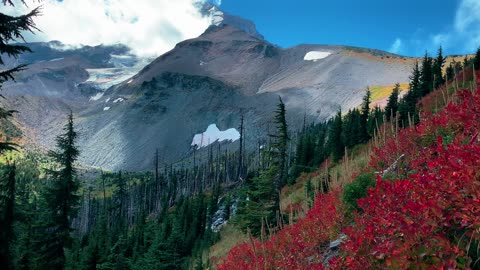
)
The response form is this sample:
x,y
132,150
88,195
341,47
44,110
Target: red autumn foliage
x,y
426,221
295,247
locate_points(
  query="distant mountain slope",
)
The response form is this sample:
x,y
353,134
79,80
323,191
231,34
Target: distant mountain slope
x,y
125,113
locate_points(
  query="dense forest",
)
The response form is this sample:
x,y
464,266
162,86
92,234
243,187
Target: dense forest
x,y
52,218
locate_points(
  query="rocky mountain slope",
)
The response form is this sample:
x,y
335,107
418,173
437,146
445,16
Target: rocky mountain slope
x,y
124,112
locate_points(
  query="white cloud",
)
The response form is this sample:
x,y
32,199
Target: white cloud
x,y
463,35
467,24
396,46
149,27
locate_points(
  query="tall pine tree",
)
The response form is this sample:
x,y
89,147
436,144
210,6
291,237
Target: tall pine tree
x,y
392,105
260,199
407,106
7,217
476,60
437,69
335,140
61,197
426,79
279,146
450,73
364,115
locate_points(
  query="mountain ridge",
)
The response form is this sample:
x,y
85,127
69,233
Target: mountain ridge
x,y
128,117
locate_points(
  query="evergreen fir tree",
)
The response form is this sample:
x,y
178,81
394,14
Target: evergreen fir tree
x,y
7,217
450,73
437,69
375,119
320,153
279,146
407,105
476,60
335,141
352,128
258,202
61,197
11,30
364,116
426,79
466,62
392,104
260,199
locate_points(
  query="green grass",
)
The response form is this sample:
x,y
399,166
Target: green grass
x,y
382,92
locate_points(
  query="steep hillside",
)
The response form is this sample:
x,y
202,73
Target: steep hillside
x,y
423,212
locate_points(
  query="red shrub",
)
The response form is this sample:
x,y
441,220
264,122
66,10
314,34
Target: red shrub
x,y
424,222
295,247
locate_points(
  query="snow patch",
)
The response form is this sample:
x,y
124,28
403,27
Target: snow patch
x,y
217,16
316,55
118,100
56,59
108,99
98,96
124,68
213,134
106,108
129,82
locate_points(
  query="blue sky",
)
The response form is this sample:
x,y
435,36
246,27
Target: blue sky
x,y
153,27
407,27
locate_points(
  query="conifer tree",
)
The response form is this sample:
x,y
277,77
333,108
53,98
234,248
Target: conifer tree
x,y
392,105
364,115
261,199
321,152
407,105
7,218
466,62
375,119
476,60
61,196
426,79
279,146
450,73
352,128
11,30
437,69
335,141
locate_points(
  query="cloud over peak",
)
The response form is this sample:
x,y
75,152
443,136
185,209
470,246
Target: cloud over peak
x,y
148,27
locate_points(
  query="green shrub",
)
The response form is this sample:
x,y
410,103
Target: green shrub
x,y
357,190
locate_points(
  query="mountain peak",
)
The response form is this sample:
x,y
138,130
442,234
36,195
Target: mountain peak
x,y
220,18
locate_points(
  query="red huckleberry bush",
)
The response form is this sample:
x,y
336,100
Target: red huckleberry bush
x,y
430,219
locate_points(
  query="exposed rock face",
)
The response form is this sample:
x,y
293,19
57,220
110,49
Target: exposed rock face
x,y
333,249
124,113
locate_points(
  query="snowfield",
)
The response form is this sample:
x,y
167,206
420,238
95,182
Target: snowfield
x,y
213,134
316,55
98,96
